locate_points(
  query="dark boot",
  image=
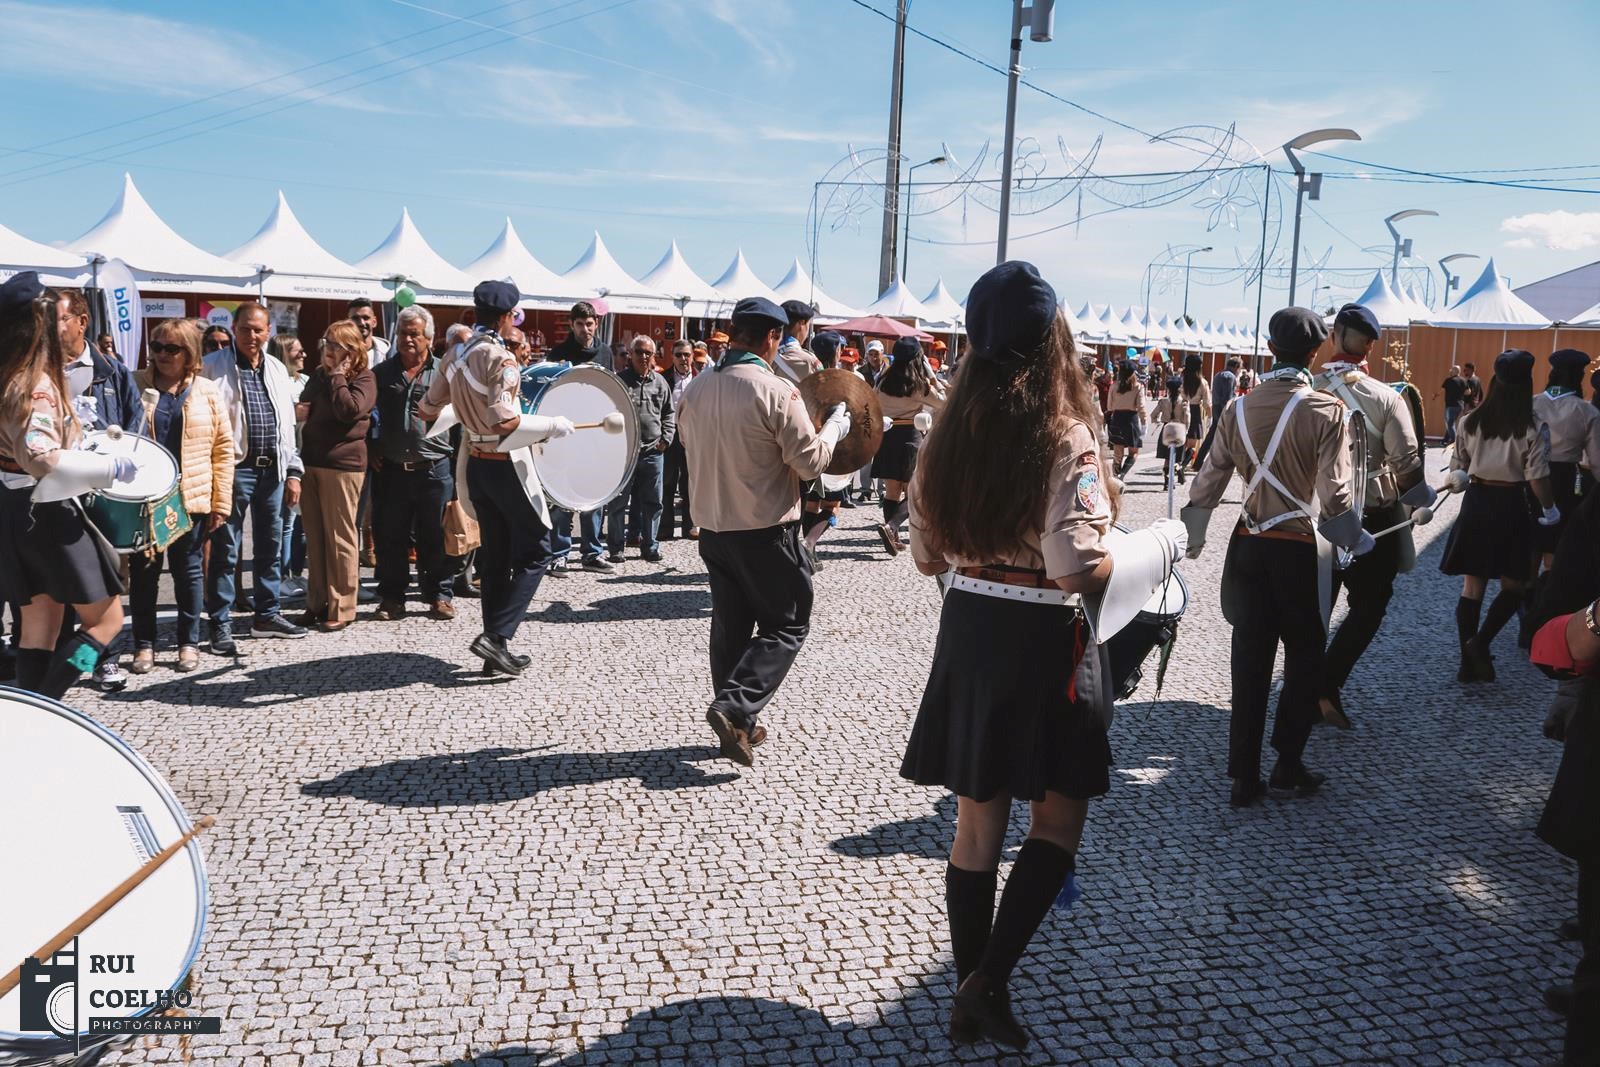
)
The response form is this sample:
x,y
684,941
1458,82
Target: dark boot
x,y
1467,612
969,904
74,656
1505,605
31,666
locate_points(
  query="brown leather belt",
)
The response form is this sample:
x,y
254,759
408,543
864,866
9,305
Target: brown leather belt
x,y
1491,482
10,467
1030,579
475,454
1277,535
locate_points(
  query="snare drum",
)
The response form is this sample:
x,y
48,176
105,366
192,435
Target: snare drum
x,y
146,514
84,811
587,469
1156,624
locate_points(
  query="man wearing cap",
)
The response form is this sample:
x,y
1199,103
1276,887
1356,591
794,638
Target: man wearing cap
x,y
716,346
1288,443
581,345
1395,486
1574,428
794,356
871,368
750,441
496,480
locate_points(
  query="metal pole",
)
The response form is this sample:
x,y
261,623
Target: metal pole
x,y
891,178
1261,275
1011,130
905,209
1394,269
1188,265
1294,253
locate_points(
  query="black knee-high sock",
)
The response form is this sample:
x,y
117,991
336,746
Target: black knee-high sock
x,y
887,506
76,654
900,511
31,665
1467,619
1505,605
969,903
1037,876
811,520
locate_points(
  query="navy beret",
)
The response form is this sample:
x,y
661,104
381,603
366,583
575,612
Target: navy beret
x,y
905,348
1357,316
20,290
760,309
1295,333
826,344
1514,366
497,297
1569,359
1009,312
798,311
1193,361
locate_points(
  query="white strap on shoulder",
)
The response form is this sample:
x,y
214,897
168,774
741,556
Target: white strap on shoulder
x,y
1263,463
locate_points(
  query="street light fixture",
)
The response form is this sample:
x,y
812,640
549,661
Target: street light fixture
x,y
1307,183
1188,262
1041,21
1452,281
905,252
1401,247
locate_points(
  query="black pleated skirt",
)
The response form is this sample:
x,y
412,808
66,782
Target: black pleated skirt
x,y
896,460
1197,427
49,549
1493,535
999,716
1122,428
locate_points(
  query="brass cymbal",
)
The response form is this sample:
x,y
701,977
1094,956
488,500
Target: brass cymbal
x,y
821,391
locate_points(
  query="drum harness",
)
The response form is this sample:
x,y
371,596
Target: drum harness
x,y
1263,466
455,362
1381,480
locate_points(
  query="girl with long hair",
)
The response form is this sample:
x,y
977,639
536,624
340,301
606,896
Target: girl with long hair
x,y
49,554
1125,416
1196,400
1501,446
906,388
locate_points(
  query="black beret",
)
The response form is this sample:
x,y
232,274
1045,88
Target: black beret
x,y
1569,359
1514,366
799,311
826,344
1193,361
1295,333
905,348
758,309
20,290
1009,312
1357,316
499,298
1174,383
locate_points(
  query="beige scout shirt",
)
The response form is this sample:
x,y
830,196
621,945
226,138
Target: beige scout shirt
x,y
906,407
48,428
1070,535
1314,456
796,363
1394,458
1574,428
481,381
1132,400
749,441
1501,459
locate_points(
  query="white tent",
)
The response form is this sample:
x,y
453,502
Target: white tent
x,y
898,303
597,270
945,311
507,258
1490,305
1112,326
132,232
739,281
1086,326
1391,309
1131,328
18,253
294,265
697,297
1423,311
797,285
405,254
1586,317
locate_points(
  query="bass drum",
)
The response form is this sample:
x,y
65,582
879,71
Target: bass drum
x,y
589,468
85,812
1156,625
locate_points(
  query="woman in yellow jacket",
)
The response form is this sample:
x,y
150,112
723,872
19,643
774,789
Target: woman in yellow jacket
x,y
185,414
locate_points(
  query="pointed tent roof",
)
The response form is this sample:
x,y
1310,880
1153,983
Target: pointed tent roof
x,y
508,258
797,285
1587,317
1112,327
19,253
292,257
673,276
1490,305
1391,309
596,269
132,232
739,281
406,253
1415,300
898,303
945,308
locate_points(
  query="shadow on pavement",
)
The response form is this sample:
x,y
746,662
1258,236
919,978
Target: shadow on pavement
x,y
498,775
654,606
928,836
234,683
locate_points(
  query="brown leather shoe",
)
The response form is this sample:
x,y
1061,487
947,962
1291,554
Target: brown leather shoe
x,y
735,742
442,609
309,618
390,610
758,734
333,627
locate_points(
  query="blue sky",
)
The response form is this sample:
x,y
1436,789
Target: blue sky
x,y
709,121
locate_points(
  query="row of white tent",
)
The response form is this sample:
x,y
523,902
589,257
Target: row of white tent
x,y
1487,304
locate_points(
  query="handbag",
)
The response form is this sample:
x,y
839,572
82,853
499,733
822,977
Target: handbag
x,y
460,530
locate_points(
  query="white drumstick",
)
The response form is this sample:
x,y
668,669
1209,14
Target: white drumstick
x,y
612,423
923,422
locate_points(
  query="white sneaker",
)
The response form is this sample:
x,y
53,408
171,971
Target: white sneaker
x,y
110,677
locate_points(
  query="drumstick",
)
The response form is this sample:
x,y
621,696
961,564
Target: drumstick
x,y
921,420
1455,483
106,903
612,423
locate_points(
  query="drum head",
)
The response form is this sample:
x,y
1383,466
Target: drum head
x,y
158,471
587,469
84,812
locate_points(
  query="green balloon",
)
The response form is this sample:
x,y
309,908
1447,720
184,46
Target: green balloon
x,y
404,296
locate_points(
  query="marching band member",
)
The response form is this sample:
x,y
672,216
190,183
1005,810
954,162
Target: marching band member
x,y
1506,452
1125,417
1196,399
1010,498
50,556
495,478
795,358
821,503
1395,485
1574,429
750,442
906,388
1288,443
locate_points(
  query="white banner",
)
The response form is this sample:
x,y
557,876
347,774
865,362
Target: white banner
x,y
123,309
157,308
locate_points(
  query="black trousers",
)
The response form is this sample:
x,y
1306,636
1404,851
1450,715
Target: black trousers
x,y
515,547
1274,593
760,582
674,484
407,506
1583,1025
1368,584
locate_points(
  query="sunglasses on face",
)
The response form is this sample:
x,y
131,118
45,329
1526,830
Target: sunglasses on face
x,y
158,348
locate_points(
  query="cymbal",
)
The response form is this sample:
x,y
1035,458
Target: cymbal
x,y
821,391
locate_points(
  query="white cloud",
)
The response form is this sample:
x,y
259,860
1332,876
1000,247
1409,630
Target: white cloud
x,y
1563,231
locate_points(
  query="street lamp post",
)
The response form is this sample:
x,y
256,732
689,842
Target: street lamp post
x,y
1452,281
905,208
1401,247
1188,262
1307,183
1041,19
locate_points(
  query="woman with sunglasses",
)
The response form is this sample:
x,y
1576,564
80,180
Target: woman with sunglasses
x,y
215,339
186,417
336,411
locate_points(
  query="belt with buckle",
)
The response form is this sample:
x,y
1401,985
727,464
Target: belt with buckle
x,y
1026,586
1023,576
1276,535
412,466
259,461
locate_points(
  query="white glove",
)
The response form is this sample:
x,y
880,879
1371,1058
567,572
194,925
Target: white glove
x,y
560,427
123,469
1551,516
1365,544
87,409
1176,536
837,424
888,424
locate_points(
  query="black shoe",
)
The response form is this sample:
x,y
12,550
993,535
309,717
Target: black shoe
x,y
598,565
1246,791
1558,998
652,556
277,626
1293,780
496,656
1467,673
1333,714
979,1011
222,643
614,557
735,743
465,588
847,502
1570,931
558,568
1482,662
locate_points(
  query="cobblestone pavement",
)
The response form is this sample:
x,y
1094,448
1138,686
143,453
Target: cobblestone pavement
x,y
413,865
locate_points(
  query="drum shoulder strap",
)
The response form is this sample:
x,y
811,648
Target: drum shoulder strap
x,y
1263,463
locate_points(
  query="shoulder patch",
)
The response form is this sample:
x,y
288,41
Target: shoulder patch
x,y
1089,489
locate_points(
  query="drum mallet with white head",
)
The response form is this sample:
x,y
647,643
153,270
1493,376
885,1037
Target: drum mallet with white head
x,y
922,422
1455,483
612,423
